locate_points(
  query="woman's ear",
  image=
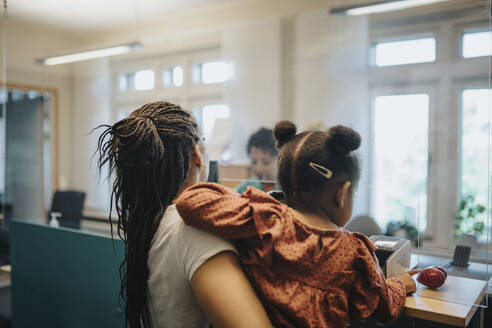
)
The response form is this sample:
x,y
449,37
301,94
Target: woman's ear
x,y
341,193
197,156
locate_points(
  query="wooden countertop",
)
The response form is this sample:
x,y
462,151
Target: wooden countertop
x,y
451,304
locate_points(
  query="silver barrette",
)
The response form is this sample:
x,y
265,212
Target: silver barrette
x,y
321,170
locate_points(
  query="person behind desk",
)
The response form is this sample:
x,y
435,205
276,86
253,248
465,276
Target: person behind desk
x,y
171,269
308,270
262,153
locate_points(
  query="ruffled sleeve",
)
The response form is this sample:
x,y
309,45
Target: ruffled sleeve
x,y
371,293
223,212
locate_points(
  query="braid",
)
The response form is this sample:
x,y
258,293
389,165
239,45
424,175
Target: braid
x,y
148,157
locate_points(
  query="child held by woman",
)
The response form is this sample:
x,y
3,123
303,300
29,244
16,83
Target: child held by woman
x,y
307,270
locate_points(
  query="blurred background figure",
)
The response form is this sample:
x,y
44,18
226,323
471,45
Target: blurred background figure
x,y
263,155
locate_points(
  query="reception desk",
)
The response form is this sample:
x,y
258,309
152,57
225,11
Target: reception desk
x,y
69,278
453,304
64,278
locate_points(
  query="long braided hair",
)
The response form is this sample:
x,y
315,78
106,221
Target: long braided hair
x,y
148,158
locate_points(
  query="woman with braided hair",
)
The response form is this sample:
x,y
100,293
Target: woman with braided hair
x,y
170,271
307,269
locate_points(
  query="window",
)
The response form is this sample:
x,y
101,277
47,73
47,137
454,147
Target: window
x,y
406,52
211,72
400,159
144,80
139,80
207,115
476,44
475,146
450,162
172,76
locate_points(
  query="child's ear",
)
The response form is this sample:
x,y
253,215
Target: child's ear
x,y
341,193
196,156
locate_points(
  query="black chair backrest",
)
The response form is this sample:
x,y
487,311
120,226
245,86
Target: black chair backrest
x,y
70,204
213,172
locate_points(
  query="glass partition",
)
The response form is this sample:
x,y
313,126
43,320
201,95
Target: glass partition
x,y
26,155
414,82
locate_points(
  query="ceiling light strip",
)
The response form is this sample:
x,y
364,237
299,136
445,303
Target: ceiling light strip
x,y
90,54
382,7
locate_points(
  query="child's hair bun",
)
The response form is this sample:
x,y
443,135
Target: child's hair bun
x,y
343,139
284,131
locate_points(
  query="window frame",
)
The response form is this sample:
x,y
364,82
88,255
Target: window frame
x,y
406,37
397,90
471,30
201,63
185,95
133,73
459,87
172,85
447,77
202,102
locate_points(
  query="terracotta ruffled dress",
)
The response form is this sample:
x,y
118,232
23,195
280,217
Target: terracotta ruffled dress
x,y
299,285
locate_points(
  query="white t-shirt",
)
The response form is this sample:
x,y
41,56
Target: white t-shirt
x,y
176,252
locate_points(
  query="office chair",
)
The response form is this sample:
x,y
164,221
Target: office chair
x,y
365,225
70,204
213,172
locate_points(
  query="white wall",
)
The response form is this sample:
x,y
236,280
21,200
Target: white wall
x,y
200,20
331,85
254,93
92,107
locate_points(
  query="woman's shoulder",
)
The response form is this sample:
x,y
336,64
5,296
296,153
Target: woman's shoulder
x,y
191,247
184,238
168,227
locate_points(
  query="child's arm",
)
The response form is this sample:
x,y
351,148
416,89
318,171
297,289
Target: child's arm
x,y
372,294
223,212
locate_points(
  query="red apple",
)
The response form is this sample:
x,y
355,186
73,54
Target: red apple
x,y
441,269
432,277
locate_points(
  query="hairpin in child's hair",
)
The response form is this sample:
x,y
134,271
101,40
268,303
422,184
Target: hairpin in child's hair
x,y
321,170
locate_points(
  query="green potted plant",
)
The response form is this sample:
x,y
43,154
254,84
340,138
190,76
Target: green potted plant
x,y
468,221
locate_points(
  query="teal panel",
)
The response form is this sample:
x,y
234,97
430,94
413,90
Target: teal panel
x,y
64,278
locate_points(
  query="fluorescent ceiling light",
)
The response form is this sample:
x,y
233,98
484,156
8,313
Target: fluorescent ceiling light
x,y
383,6
90,54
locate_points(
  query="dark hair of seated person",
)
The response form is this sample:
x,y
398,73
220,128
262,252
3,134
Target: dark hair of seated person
x,y
148,155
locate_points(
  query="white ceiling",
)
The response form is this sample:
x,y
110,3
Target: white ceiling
x,y
83,16
90,15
